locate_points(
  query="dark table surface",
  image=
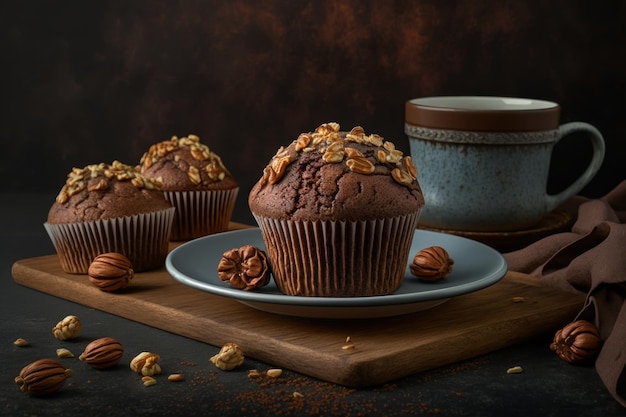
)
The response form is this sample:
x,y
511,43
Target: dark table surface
x,y
477,387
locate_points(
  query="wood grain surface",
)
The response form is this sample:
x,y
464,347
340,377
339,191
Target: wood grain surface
x,y
384,349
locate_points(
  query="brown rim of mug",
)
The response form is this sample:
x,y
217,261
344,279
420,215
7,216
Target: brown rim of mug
x,y
421,112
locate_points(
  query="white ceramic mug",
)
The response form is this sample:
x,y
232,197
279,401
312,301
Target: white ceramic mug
x,y
483,162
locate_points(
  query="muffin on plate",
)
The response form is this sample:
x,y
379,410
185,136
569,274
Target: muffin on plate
x,y
196,182
109,208
337,211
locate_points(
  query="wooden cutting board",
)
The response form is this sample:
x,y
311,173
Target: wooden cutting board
x,y
384,349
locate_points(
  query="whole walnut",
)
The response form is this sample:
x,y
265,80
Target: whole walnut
x,y
42,377
245,268
110,271
102,353
577,342
431,264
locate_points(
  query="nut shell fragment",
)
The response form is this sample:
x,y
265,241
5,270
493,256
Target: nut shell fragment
x,y
102,353
42,377
229,357
431,264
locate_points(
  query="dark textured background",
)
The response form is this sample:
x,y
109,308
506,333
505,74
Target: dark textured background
x,y
92,81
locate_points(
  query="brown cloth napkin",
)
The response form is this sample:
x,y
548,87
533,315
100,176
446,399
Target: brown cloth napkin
x,y
590,259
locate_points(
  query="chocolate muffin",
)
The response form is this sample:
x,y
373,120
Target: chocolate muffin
x,y
337,211
109,208
196,182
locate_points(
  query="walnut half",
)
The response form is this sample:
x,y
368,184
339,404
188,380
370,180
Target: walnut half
x,y
229,357
146,364
245,268
68,328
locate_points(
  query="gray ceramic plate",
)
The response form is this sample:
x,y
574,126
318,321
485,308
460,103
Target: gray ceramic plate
x,y
476,266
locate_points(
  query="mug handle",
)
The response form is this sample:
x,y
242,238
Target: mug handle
x,y
597,141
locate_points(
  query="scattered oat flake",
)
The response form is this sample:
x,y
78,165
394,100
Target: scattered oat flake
x,y
274,373
64,353
20,342
515,370
254,373
148,381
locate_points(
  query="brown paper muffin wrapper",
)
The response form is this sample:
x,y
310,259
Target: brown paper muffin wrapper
x,y
201,213
142,238
338,258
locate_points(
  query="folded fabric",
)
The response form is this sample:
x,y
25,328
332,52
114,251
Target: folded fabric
x,y
590,259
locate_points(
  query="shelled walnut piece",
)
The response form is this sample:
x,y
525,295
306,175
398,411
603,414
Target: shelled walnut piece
x,y
68,328
102,353
110,271
146,364
245,268
431,264
229,357
42,377
577,342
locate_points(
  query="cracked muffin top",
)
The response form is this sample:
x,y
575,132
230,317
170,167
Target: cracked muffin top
x,y
103,191
331,174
